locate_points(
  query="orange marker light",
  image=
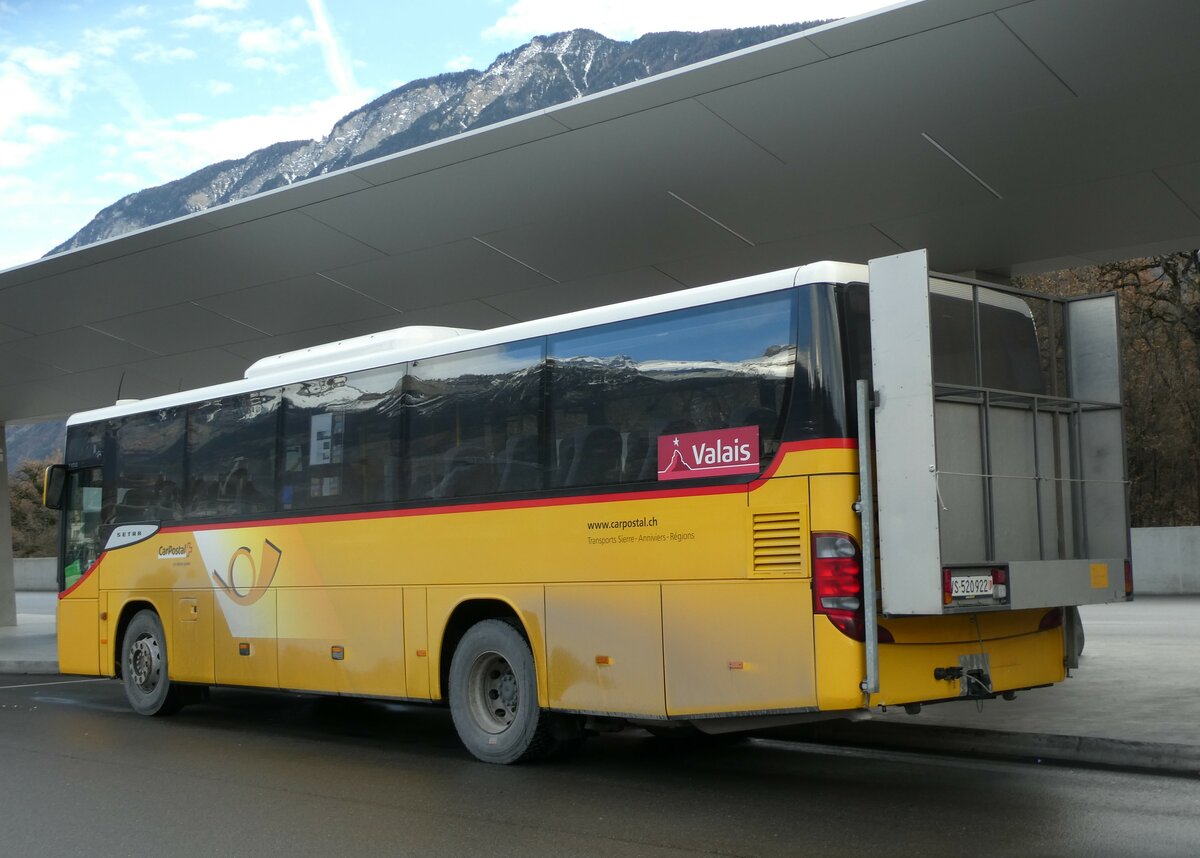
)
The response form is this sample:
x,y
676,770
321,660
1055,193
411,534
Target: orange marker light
x,y
737,665
603,659
421,653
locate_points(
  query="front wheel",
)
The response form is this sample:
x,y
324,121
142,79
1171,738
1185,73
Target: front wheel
x,y
493,696
144,667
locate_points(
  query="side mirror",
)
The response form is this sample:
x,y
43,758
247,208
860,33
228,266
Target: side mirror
x,y
54,483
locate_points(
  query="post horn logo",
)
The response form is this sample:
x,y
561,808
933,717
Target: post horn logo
x,y
246,581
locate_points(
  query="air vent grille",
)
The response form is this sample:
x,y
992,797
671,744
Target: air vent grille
x,y
778,543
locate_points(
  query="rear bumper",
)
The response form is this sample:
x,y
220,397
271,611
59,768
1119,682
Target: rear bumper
x,y
907,670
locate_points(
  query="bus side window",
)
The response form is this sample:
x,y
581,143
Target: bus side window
x,y
231,455
472,422
616,389
148,467
340,440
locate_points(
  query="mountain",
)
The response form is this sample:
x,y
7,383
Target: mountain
x,y
546,71
34,442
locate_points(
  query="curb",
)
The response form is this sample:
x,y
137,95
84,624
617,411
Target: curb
x,y
1157,757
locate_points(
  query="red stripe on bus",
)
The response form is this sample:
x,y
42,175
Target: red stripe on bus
x,y
533,503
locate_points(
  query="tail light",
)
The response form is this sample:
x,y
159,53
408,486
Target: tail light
x,y
1128,580
838,585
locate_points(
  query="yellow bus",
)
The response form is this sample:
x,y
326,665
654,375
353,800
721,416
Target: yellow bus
x,y
649,514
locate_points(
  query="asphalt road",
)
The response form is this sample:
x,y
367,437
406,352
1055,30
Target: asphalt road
x,y
252,773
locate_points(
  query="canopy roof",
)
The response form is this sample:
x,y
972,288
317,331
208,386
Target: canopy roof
x,y
1003,135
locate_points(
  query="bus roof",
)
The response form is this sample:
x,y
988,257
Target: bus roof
x,y
392,347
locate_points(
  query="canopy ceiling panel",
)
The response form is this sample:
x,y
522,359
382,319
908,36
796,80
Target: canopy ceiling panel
x,y
1003,135
991,234
85,349
1078,141
177,329
458,271
1096,46
549,299
287,306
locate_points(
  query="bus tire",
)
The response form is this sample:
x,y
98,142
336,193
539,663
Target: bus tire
x,y
493,696
144,667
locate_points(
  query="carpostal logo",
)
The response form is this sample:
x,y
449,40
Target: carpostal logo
x,y
245,580
716,453
168,551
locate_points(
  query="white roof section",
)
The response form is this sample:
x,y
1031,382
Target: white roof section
x,y
1002,135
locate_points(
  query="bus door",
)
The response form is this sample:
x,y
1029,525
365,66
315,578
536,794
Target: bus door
x,y
82,502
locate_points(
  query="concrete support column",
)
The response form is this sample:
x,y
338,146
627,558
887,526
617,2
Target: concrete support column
x,y
8,595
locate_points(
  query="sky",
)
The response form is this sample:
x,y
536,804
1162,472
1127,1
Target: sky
x,y
101,98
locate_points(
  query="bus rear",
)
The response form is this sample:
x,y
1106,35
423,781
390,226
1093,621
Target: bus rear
x,y
1000,496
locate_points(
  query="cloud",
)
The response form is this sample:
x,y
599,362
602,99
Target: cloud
x,y
626,19
29,212
20,97
172,148
45,135
263,64
263,46
125,180
154,53
45,64
219,87
34,85
337,64
460,63
15,153
268,40
197,22
231,5
104,42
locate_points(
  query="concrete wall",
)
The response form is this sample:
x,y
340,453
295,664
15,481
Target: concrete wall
x,y
1166,560
35,573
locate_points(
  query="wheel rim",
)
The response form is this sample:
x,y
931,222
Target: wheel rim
x,y
493,693
145,663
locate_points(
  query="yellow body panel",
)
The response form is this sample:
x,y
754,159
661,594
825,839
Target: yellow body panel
x,y
606,648
191,656
738,647
362,625
245,645
416,643
79,636
669,603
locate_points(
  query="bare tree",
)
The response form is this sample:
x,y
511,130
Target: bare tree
x,y
34,528
1160,326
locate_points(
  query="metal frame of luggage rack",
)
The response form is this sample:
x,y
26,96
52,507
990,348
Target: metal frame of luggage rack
x,y
1025,490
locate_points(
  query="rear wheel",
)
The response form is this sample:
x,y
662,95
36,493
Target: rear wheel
x,y
493,696
144,667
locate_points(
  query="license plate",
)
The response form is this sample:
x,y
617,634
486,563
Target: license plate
x,y
971,586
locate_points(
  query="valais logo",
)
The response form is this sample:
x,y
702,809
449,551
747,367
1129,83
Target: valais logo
x,y
715,453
